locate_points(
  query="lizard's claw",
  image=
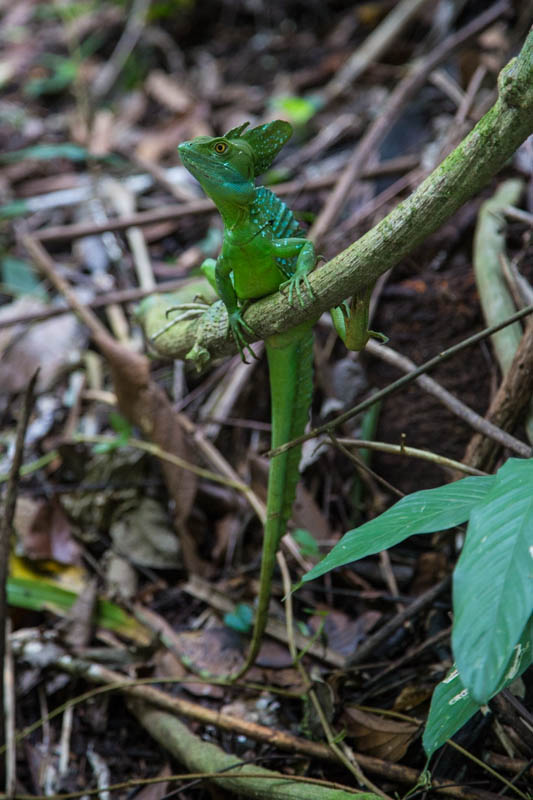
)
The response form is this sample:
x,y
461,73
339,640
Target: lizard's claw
x,y
189,311
295,284
236,325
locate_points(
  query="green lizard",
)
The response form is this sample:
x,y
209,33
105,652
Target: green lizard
x,y
264,250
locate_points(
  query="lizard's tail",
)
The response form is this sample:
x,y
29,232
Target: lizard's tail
x,y
290,363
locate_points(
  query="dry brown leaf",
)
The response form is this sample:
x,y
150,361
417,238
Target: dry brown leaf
x,y
143,532
78,623
217,650
53,345
44,531
343,633
383,738
413,696
307,514
155,791
431,567
102,132
161,140
167,91
169,663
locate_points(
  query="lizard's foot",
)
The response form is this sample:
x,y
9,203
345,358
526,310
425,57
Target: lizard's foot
x,y
237,325
351,323
381,337
298,282
189,311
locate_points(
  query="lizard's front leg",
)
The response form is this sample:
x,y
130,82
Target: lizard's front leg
x,y
227,294
305,263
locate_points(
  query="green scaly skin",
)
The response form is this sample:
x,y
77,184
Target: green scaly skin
x,y
263,251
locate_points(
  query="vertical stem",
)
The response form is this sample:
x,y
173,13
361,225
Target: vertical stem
x,y
6,522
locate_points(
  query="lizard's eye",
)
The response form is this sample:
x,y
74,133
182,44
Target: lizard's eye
x,y
220,147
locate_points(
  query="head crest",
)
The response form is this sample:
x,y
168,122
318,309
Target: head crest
x,y
266,141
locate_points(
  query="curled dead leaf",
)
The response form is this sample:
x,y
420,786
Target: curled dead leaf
x,y
383,738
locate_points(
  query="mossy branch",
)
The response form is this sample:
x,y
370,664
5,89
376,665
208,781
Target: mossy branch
x,y
460,176
201,756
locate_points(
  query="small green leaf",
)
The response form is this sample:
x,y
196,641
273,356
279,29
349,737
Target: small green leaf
x,y
120,424
19,278
15,209
422,512
452,705
307,543
111,445
298,109
63,72
493,579
240,619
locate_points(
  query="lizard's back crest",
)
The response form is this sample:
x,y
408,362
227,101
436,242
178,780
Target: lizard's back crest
x,y
268,209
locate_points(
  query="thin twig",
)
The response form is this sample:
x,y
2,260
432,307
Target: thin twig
x,y
373,47
425,599
406,658
413,452
197,207
362,467
109,298
389,114
430,385
108,680
510,401
513,444
125,45
164,455
10,705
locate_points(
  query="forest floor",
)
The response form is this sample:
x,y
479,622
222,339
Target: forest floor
x,y
137,570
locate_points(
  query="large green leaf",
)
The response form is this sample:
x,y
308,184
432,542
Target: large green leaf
x,y
43,595
493,580
422,512
452,705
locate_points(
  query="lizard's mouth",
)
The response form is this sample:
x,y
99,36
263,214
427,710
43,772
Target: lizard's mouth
x,y
193,162
215,176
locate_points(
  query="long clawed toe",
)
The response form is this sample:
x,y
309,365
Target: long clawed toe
x,y
295,284
189,311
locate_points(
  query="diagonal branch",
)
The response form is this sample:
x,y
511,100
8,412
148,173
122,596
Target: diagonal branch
x,y
460,176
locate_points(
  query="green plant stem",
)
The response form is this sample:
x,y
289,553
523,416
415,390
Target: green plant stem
x,y
460,176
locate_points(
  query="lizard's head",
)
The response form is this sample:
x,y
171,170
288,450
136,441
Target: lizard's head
x,y
226,166
222,166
